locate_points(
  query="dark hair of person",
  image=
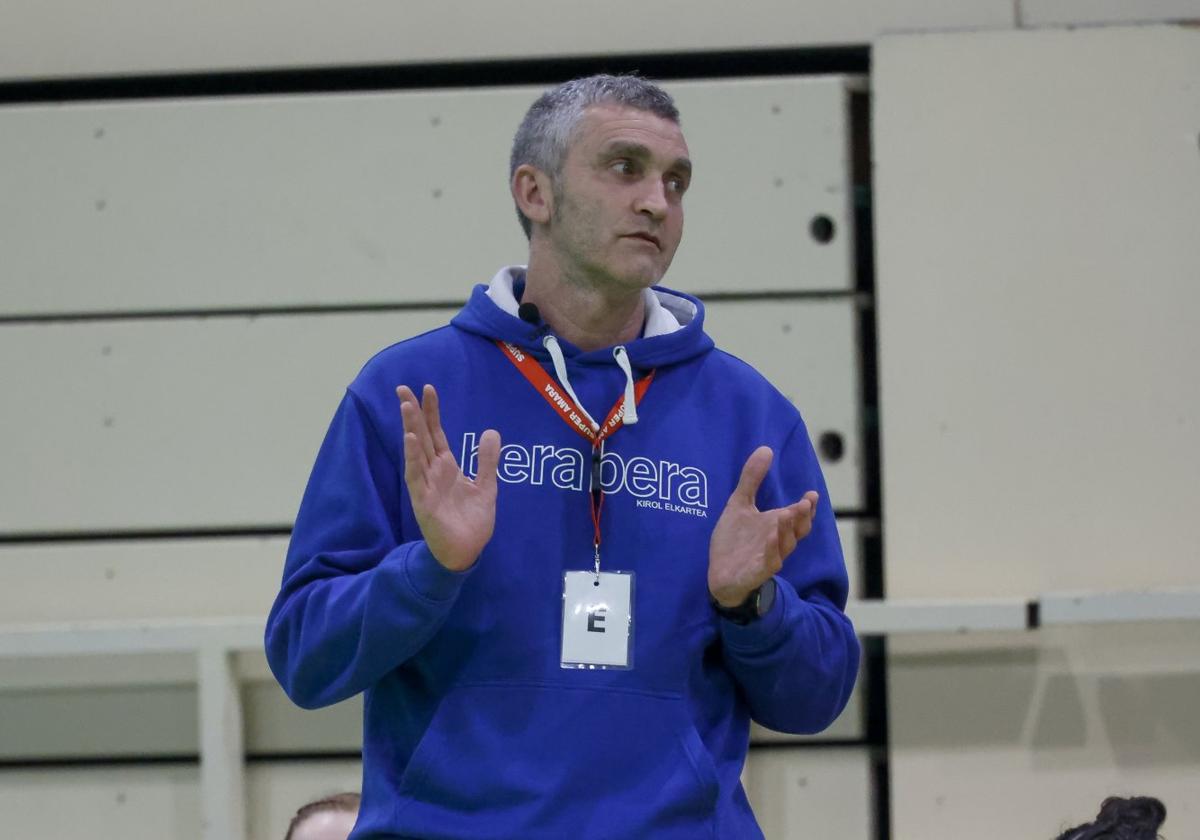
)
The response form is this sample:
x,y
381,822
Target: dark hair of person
x,y
347,802
1133,818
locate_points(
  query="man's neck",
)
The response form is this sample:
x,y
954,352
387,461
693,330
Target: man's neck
x,y
584,313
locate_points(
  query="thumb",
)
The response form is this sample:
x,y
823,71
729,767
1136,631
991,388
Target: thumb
x,y
753,473
489,457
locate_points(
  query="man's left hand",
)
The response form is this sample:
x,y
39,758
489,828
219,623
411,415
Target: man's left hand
x,y
748,545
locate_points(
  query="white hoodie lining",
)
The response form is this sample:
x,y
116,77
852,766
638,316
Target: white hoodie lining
x,y
665,313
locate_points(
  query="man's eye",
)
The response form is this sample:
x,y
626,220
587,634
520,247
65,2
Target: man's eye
x,y
677,185
624,167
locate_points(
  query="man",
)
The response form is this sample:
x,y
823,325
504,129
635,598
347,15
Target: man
x,y
579,651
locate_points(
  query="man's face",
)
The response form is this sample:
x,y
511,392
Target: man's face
x,y
618,203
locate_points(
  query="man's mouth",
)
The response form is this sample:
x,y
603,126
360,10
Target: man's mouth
x,y
646,237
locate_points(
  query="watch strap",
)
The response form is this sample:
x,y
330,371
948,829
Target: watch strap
x,y
757,604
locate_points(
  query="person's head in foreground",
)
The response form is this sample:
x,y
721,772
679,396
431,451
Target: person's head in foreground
x,y
1135,818
331,818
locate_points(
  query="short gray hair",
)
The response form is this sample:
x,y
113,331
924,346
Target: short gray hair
x,y
545,133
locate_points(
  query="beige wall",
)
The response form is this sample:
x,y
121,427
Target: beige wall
x,y
1036,208
1036,234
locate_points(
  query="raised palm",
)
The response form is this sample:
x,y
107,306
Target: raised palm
x,y
457,515
749,545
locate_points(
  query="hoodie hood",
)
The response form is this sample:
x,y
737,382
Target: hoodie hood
x,y
673,332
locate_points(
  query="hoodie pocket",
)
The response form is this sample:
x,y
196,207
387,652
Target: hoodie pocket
x,y
531,761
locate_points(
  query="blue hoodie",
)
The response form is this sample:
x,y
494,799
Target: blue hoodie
x,y
472,728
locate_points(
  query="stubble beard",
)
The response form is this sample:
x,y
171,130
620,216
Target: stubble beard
x,y
583,261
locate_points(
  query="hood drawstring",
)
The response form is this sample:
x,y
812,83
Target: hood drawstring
x,y
560,370
622,356
629,417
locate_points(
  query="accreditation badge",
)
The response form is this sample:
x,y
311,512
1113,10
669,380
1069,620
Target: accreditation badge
x,y
597,627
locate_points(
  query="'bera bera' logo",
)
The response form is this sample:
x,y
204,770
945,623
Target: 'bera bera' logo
x,y
663,485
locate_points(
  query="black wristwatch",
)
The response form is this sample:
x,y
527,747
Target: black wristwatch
x,y
757,604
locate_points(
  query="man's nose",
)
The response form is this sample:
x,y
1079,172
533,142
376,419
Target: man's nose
x,y
652,199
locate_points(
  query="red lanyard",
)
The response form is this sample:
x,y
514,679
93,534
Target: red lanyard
x,y
566,409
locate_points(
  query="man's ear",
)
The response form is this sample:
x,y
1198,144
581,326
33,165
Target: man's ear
x,y
532,193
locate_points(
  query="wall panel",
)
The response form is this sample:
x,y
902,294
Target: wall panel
x,y
132,803
175,424
851,723
160,802
139,36
1055,721
214,422
276,789
803,794
1067,12
132,580
1036,206
381,198
1035,217
809,350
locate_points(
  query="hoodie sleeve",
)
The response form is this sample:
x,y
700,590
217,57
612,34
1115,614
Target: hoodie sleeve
x,y
798,663
359,597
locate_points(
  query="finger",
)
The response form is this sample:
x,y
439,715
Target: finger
x,y
414,467
489,457
787,534
801,520
802,528
806,503
806,510
414,421
773,560
414,456
753,473
802,509
404,394
414,431
433,419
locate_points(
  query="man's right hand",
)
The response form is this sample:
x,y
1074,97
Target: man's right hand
x,y
456,515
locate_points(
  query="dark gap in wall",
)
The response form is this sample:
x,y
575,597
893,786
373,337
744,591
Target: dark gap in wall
x,y
216,532
811,294
874,583
875,651
864,267
532,71
1033,615
146,534
813,744
868,519
229,312
68,762
881,785
284,757
366,308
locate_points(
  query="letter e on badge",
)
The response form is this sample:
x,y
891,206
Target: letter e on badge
x,y
596,613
